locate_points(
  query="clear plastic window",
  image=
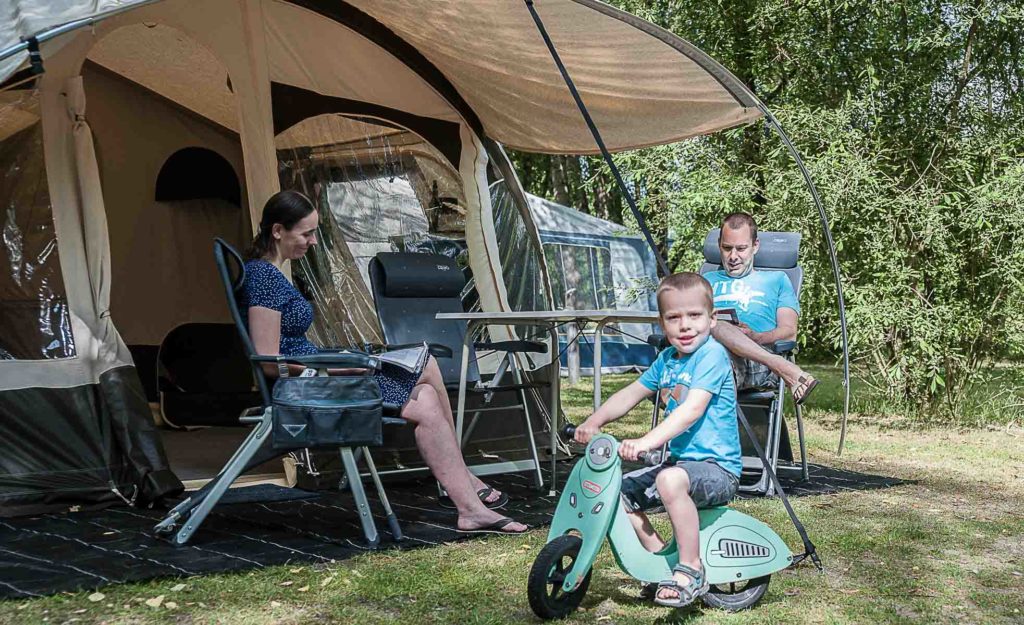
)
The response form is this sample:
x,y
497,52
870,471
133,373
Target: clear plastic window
x,y
379,188
35,323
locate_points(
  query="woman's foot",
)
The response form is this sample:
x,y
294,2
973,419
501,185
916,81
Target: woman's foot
x,y
488,498
489,521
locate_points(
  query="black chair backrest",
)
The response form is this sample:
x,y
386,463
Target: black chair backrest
x,y
409,289
205,357
231,269
779,251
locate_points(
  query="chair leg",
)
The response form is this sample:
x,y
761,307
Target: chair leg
x,y
804,472
538,476
359,495
193,511
396,529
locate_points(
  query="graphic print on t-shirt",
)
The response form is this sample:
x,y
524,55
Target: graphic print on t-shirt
x,y
738,293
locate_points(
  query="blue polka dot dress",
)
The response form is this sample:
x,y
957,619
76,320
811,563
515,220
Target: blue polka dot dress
x,y
266,286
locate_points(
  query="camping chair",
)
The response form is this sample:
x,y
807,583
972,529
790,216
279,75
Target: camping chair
x,y
185,518
779,251
409,289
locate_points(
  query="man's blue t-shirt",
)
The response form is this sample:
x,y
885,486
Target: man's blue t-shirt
x,y
756,296
714,435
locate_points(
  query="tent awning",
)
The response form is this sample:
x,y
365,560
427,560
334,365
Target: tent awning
x,y
643,85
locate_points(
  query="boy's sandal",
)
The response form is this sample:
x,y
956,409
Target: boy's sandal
x,y
805,384
686,594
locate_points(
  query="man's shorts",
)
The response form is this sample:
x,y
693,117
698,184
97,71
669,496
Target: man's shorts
x,y
752,375
710,485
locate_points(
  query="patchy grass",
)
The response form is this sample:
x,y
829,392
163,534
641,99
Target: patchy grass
x,y
946,548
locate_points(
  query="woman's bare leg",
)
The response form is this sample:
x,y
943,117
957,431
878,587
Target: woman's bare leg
x,y
432,376
436,442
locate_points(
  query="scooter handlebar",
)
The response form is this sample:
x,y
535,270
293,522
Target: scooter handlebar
x,y
650,458
569,430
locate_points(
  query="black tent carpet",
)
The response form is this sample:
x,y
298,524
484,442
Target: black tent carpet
x,y
84,550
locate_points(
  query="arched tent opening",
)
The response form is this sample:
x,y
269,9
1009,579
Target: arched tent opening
x,y
197,173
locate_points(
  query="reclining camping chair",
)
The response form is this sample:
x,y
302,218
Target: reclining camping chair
x,y
409,289
185,518
763,408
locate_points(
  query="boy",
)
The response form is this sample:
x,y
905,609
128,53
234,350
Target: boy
x,y
693,378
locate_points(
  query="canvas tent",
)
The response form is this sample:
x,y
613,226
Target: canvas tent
x,y
595,264
131,132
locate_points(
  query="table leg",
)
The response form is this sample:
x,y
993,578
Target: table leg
x,y
554,408
598,333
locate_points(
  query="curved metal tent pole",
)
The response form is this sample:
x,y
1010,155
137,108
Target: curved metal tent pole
x,y
719,69
774,123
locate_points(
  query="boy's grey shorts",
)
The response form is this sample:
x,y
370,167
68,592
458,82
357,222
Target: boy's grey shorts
x,y
710,485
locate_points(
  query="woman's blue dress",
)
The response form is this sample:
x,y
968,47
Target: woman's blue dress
x,y
267,287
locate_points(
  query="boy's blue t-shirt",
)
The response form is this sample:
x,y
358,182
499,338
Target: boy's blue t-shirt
x,y
756,296
715,435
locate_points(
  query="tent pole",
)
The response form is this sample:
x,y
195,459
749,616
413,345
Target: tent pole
x,y
597,138
774,123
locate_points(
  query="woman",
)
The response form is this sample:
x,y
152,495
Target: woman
x,y
278,318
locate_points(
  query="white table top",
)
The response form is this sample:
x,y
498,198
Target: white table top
x,y
557,316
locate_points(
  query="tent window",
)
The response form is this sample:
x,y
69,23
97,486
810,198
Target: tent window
x,y
35,322
380,188
581,276
197,173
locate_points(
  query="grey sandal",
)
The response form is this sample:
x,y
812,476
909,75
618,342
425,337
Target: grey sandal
x,y
697,586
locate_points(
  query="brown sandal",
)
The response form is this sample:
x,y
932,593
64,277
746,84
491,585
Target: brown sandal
x,y
805,384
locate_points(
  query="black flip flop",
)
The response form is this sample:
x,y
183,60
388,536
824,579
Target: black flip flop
x,y
498,527
446,502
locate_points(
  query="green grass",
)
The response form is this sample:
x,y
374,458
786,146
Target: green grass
x,y
946,548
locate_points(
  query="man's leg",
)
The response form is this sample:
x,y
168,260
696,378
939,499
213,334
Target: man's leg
x,y
741,345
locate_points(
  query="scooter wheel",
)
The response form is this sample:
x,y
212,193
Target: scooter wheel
x,y
544,586
737,596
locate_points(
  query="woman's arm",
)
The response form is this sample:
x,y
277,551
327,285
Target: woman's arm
x,y
265,332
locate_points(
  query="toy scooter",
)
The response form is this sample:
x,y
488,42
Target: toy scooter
x,y
739,553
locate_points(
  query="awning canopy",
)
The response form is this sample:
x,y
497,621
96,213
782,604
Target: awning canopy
x,y
643,85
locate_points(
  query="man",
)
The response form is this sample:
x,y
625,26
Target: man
x,y
766,307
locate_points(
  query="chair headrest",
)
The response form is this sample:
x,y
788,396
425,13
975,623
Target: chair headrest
x,y
778,250
420,275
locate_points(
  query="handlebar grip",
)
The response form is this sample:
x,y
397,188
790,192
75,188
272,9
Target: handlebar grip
x,y
650,458
569,430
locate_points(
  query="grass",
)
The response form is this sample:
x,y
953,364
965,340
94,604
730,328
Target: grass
x,y
946,548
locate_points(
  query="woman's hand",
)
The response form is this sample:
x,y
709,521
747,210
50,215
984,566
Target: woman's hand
x,y
631,448
587,430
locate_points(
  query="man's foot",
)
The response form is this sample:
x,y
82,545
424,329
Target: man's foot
x,y
489,522
803,387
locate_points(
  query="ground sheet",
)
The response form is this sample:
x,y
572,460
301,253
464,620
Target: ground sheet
x,y
72,551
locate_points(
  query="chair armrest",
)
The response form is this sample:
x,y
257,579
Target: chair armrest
x,y
784,347
341,360
517,347
436,349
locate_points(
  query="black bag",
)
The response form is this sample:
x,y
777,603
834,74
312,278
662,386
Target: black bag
x,y
338,411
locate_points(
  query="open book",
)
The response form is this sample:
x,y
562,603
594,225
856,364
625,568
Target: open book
x,y
412,359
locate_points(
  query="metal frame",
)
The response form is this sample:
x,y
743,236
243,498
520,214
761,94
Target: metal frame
x,y
185,518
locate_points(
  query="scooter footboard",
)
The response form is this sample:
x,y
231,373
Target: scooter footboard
x,y
736,547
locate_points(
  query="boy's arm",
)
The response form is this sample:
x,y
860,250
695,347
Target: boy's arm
x,y
617,405
674,424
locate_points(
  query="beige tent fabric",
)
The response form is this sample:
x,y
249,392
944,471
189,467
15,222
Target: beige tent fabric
x,y
640,89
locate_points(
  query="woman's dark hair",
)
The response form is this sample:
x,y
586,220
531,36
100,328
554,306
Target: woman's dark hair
x,y
284,207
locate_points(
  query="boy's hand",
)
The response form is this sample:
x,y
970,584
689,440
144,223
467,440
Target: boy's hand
x,y
586,431
630,449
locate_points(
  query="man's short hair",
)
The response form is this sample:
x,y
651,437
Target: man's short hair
x,y
739,219
687,280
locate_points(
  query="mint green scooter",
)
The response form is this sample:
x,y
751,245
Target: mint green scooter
x,y
739,553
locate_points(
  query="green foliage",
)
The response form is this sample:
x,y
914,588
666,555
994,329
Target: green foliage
x,y
910,117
